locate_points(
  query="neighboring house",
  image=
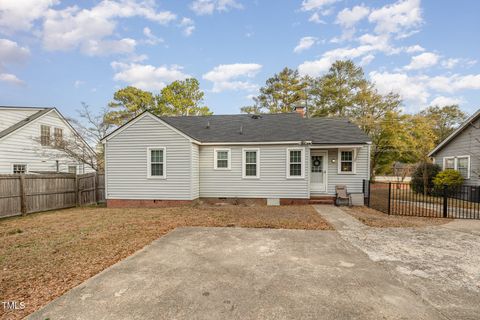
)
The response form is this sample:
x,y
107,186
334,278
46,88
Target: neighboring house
x,y
461,150
283,158
28,137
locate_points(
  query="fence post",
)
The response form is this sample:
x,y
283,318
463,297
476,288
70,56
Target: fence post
x,y
389,196
77,191
23,195
445,202
95,187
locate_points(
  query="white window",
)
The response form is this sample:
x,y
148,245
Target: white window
x,y
346,161
156,162
72,169
19,168
58,137
251,163
221,159
463,166
449,163
460,163
44,135
295,163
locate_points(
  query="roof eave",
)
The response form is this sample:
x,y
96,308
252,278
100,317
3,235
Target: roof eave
x,y
457,131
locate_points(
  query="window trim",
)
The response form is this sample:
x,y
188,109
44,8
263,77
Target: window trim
x,y
149,162
25,164
244,164
56,142
468,164
287,169
445,162
455,163
49,142
215,158
354,161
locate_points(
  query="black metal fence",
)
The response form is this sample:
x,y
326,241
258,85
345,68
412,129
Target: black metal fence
x,y
399,199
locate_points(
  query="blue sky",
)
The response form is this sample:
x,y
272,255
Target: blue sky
x,y
60,53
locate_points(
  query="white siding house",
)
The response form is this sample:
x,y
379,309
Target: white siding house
x,y
152,160
22,149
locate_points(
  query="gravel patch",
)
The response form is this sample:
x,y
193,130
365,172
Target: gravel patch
x,y
439,263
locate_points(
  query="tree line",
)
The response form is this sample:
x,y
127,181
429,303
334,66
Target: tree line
x,y
342,92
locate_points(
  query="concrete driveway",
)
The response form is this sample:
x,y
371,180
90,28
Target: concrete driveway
x,y
233,273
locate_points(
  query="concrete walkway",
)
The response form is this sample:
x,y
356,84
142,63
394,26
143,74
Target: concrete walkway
x,y
236,273
440,263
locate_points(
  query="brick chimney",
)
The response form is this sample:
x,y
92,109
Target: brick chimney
x,y
300,110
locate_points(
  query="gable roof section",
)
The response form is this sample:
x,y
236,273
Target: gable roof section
x,y
24,122
283,127
35,116
455,133
268,128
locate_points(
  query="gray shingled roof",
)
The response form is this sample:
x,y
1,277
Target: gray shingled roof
x,y
23,122
268,128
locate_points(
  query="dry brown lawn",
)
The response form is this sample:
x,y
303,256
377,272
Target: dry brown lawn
x,y
377,219
45,254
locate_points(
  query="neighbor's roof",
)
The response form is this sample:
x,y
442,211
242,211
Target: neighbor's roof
x,y
268,128
455,133
25,121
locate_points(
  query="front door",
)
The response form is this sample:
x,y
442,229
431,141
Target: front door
x,y
318,171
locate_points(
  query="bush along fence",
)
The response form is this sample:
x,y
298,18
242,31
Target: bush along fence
x,y
28,193
461,202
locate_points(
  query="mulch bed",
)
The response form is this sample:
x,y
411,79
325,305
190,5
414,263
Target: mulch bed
x,y
44,255
377,219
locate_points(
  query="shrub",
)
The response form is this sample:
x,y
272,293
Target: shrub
x,y
452,179
417,182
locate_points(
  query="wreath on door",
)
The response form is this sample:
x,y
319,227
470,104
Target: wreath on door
x,y
316,163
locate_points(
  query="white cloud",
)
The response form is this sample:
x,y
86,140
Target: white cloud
x,y
450,63
10,79
11,52
20,15
445,101
304,44
151,38
78,83
454,62
225,76
454,83
308,5
107,47
410,89
316,68
347,18
204,7
414,49
423,60
315,18
87,29
188,26
416,90
400,17
147,77
366,60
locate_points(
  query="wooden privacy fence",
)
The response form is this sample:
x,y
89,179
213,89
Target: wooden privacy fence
x,y
28,193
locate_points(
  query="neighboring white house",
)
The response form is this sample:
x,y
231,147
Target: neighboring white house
x,y
28,136
283,158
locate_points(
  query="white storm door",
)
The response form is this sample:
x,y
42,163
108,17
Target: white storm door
x,y
318,171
